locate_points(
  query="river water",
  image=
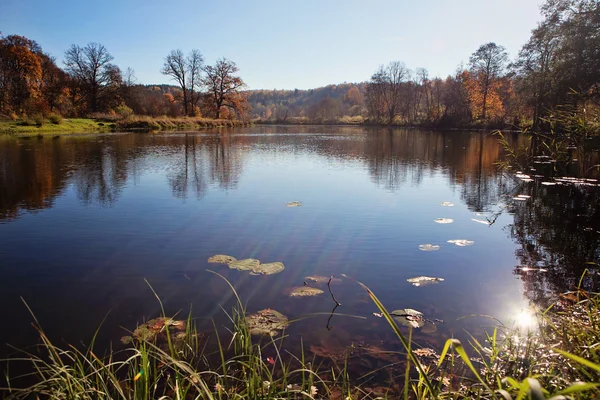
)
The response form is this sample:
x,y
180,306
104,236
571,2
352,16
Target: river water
x,y
89,222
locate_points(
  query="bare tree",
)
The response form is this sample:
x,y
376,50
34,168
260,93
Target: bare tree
x,y
385,88
90,66
175,67
195,62
186,72
224,87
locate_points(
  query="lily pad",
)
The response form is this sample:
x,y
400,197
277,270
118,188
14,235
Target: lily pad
x,y
481,221
304,291
247,264
424,280
444,220
447,204
321,279
414,319
409,317
461,242
293,204
548,183
519,198
268,268
429,247
154,328
221,259
267,322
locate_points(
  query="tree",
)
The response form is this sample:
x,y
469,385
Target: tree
x,y
384,91
96,77
187,73
20,72
224,88
534,69
486,67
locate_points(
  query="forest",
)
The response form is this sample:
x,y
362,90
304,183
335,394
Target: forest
x,y
557,69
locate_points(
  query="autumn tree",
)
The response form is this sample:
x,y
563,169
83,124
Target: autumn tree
x,y
96,78
486,67
186,71
224,87
20,72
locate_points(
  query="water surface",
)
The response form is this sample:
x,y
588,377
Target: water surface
x,y
88,222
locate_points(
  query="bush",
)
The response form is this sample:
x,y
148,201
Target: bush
x,y
39,120
55,118
123,111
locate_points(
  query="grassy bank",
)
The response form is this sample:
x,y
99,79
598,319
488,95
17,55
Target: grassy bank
x,y
169,359
46,127
108,123
145,123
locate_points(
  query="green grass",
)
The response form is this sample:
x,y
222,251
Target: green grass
x,y
66,126
559,361
112,123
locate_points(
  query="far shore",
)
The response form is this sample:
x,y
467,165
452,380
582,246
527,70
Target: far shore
x,y
136,123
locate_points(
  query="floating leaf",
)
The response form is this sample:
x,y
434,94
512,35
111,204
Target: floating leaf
x,y
221,259
447,204
321,279
481,221
531,269
247,264
409,317
293,204
519,198
424,280
413,318
461,242
425,352
266,322
429,247
268,268
150,330
549,183
524,196
444,220
304,291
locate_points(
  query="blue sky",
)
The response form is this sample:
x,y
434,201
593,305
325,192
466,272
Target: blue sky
x,y
277,43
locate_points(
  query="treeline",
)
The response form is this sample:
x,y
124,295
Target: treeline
x,y
32,84
557,69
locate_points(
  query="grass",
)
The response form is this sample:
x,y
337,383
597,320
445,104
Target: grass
x,y
146,123
66,126
560,360
107,123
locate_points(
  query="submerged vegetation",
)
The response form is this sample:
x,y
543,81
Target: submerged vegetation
x,y
168,359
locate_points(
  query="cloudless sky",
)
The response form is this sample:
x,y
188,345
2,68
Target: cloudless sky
x,y
278,43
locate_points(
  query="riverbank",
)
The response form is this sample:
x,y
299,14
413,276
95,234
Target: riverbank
x,y
168,358
362,121
43,127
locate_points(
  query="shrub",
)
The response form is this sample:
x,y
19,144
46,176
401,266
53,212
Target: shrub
x,y
123,111
39,120
55,118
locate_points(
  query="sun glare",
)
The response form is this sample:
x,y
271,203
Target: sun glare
x,y
526,319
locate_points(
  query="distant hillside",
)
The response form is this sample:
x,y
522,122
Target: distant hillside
x,y
324,103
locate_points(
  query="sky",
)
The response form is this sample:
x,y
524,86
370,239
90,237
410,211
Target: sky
x,y
278,44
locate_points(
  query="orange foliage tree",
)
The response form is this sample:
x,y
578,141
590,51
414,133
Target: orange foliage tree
x,y
224,90
20,73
